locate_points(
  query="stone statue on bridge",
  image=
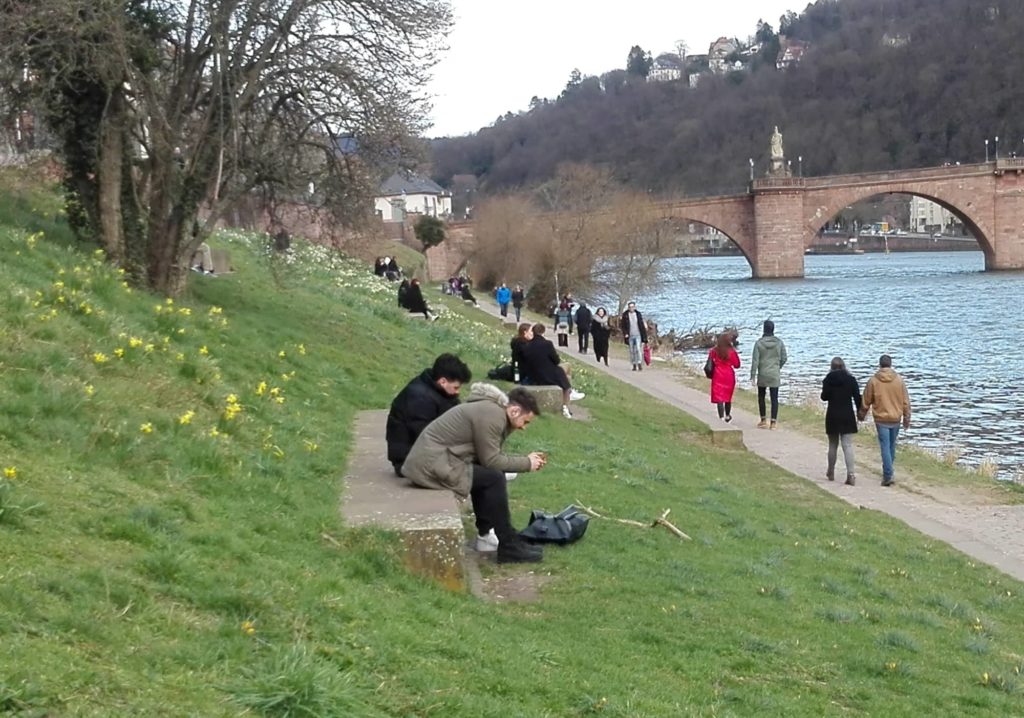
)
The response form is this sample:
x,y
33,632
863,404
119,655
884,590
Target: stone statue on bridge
x,y
777,153
777,166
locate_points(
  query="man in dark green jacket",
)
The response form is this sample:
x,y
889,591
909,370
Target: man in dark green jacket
x,y
765,369
462,451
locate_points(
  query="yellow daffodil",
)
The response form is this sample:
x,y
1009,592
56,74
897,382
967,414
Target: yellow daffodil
x,y
158,308
169,302
215,310
302,349
281,354
203,350
311,446
186,418
134,342
185,312
149,348
11,472
179,356
279,399
100,358
146,428
213,432
275,391
119,352
248,627
89,390
261,388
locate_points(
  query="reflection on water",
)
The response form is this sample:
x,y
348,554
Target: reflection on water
x,y
955,333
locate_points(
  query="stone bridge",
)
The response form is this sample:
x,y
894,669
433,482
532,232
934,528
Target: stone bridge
x,y
779,217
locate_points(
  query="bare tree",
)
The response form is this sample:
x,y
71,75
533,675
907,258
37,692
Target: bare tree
x,y
168,111
506,241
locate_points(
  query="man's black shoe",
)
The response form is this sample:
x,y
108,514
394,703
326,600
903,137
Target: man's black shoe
x,y
519,552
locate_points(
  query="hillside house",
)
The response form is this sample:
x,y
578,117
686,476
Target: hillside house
x,y
667,66
791,52
719,53
403,193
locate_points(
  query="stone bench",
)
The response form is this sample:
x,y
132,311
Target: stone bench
x,y
221,261
429,522
726,437
549,397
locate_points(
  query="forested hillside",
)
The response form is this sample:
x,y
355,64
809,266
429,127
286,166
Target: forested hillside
x,y
884,84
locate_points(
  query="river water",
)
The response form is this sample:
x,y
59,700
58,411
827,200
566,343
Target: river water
x,y
955,333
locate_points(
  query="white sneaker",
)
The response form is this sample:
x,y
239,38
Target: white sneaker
x,y
510,476
565,412
576,395
487,543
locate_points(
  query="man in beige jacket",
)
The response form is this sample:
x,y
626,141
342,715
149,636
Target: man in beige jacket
x,y
886,397
461,450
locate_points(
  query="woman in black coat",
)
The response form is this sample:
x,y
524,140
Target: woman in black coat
x,y
540,362
414,300
842,392
600,330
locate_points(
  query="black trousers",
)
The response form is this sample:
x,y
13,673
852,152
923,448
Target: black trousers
x,y
489,495
583,338
724,409
774,391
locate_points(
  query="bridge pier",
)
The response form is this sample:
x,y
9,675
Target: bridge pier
x,y
779,230
1008,248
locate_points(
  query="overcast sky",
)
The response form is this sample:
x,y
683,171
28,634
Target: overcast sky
x,y
503,52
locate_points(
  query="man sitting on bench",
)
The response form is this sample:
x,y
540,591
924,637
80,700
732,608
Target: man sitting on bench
x,y
462,451
423,399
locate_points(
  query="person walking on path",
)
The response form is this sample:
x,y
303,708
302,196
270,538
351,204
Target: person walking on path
x,y
504,295
886,397
432,393
842,392
518,297
583,323
461,451
765,371
723,381
601,331
634,333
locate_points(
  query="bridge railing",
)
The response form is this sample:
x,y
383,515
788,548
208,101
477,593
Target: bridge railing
x,y
777,182
1013,164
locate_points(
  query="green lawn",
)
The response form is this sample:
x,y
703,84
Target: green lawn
x,y
171,546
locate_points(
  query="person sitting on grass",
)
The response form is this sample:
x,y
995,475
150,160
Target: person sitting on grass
x,y
461,451
432,393
542,364
415,302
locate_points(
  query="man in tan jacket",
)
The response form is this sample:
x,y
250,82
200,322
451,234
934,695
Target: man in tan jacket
x,y
886,397
461,450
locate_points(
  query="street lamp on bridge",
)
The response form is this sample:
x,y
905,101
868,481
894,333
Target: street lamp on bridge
x,y
997,148
800,165
751,161
986,149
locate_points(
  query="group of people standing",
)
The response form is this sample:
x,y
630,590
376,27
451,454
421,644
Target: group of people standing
x,y
595,325
885,397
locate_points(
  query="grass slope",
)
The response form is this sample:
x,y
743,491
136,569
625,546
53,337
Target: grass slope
x,y
171,544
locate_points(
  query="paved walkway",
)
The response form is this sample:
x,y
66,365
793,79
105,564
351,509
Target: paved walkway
x,y
991,533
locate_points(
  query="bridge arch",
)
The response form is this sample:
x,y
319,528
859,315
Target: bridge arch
x,y
966,208
732,216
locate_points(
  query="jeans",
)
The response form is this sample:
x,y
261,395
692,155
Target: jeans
x,y
887,434
489,494
833,451
635,352
504,309
774,391
519,312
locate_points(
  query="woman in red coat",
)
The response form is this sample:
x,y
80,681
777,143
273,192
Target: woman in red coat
x,y
723,380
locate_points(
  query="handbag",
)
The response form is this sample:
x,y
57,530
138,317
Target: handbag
x,y
647,354
565,527
502,372
709,367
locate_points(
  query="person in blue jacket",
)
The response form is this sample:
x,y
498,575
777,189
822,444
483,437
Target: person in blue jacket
x,y
504,295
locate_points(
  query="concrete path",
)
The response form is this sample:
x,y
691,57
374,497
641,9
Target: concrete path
x,y
991,533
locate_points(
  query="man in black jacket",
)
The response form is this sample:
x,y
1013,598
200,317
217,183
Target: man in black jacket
x,y
583,321
423,399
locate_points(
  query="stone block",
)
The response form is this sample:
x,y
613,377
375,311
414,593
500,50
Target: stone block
x,y
727,438
429,522
549,398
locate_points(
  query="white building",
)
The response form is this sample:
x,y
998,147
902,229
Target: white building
x,y
405,193
927,216
667,67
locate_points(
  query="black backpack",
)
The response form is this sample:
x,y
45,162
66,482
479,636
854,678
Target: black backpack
x,y
502,372
567,526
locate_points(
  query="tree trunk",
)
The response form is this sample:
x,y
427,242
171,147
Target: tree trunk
x,y
109,178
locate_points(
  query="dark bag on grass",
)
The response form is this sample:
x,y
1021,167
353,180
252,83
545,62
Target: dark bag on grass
x,y
567,526
709,367
502,372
